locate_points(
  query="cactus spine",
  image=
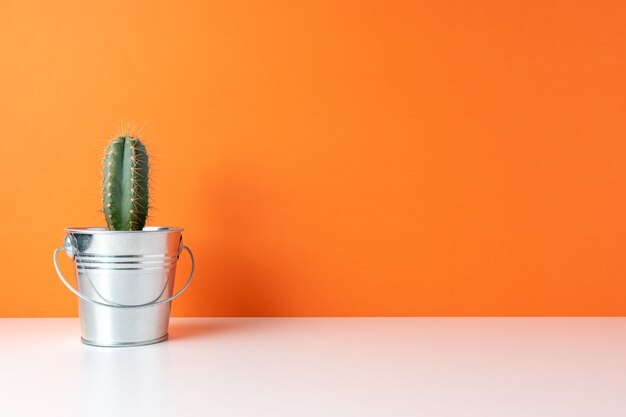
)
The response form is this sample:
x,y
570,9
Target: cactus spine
x,y
125,184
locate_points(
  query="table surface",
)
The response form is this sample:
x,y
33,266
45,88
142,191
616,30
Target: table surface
x,y
321,367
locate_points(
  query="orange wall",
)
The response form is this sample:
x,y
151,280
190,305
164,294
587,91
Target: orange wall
x,y
329,157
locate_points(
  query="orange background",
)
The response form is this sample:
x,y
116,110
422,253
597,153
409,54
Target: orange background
x,y
329,158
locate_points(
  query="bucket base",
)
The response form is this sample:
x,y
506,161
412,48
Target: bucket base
x,y
124,344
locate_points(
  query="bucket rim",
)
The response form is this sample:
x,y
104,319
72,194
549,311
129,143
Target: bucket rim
x,y
105,231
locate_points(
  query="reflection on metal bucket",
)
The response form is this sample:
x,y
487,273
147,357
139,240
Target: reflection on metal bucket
x,y
125,282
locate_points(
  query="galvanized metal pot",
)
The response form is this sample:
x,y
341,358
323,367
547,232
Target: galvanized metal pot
x,y
125,282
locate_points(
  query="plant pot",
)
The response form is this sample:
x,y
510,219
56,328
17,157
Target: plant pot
x,y
125,282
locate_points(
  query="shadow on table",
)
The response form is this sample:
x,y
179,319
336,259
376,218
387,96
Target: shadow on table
x,y
195,328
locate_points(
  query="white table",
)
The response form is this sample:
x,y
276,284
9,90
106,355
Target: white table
x,y
321,367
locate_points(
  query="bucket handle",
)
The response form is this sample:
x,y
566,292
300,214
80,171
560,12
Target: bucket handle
x,y
150,304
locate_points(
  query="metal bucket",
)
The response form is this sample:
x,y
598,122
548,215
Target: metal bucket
x,y
125,282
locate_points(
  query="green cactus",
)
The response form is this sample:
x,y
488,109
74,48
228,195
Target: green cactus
x,y
125,184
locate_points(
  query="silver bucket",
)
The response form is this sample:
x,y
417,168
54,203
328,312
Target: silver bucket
x,y
125,282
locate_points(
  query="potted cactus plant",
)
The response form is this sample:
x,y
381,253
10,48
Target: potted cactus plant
x,y
125,184
125,271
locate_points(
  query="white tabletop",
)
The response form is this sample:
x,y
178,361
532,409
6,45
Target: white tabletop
x,y
321,367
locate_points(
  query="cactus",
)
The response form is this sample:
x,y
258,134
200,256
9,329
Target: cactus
x,y
125,184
